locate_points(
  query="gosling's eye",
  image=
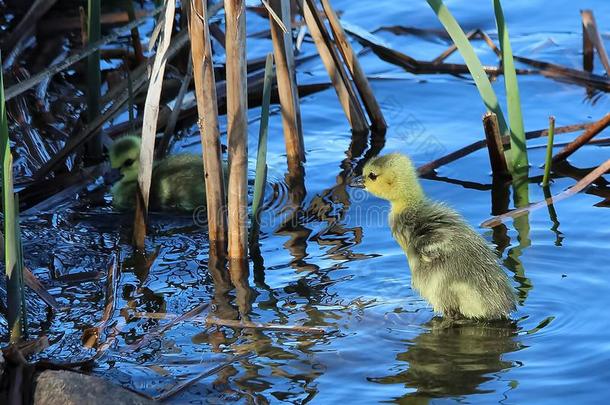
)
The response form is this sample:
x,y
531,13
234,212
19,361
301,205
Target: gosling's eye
x,y
372,176
128,162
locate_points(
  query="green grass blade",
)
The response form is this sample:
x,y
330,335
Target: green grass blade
x,y
472,61
19,268
549,152
11,238
519,161
261,156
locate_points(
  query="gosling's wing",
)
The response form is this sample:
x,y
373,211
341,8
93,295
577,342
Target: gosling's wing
x,y
178,183
434,231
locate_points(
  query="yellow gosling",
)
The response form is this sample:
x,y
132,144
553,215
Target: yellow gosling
x,y
452,266
177,181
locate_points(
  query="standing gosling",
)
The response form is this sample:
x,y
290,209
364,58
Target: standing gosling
x,y
452,266
177,181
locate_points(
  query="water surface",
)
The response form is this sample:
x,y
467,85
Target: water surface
x,y
327,258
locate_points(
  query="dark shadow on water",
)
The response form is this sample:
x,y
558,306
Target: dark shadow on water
x,y
452,361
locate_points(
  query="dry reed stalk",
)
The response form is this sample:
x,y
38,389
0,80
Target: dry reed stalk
x,y
582,139
237,133
334,67
353,65
576,188
590,27
286,83
149,126
494,145
207,109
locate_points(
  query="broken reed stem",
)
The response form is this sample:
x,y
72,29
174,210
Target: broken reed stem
x,y
149,125
286,84
237,133
590,27
335,69
94,79
587,45
582,139
353,66
549,152
207,110
495,148
576,188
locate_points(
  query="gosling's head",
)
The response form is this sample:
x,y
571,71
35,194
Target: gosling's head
x,y
125,157
392,177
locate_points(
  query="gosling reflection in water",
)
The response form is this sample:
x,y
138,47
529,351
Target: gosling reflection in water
x,y
453,360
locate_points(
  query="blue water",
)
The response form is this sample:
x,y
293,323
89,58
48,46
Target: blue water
x,y
336,265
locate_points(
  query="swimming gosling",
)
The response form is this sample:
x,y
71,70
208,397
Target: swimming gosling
x,y
177,181
452,266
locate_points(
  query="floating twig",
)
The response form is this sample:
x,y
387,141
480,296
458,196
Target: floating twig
x,y
174,320
181,386
32,281
429,167
241,324
233,323
579,186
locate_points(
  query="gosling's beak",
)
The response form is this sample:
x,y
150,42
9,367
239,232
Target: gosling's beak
x,y
357,182
112,176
